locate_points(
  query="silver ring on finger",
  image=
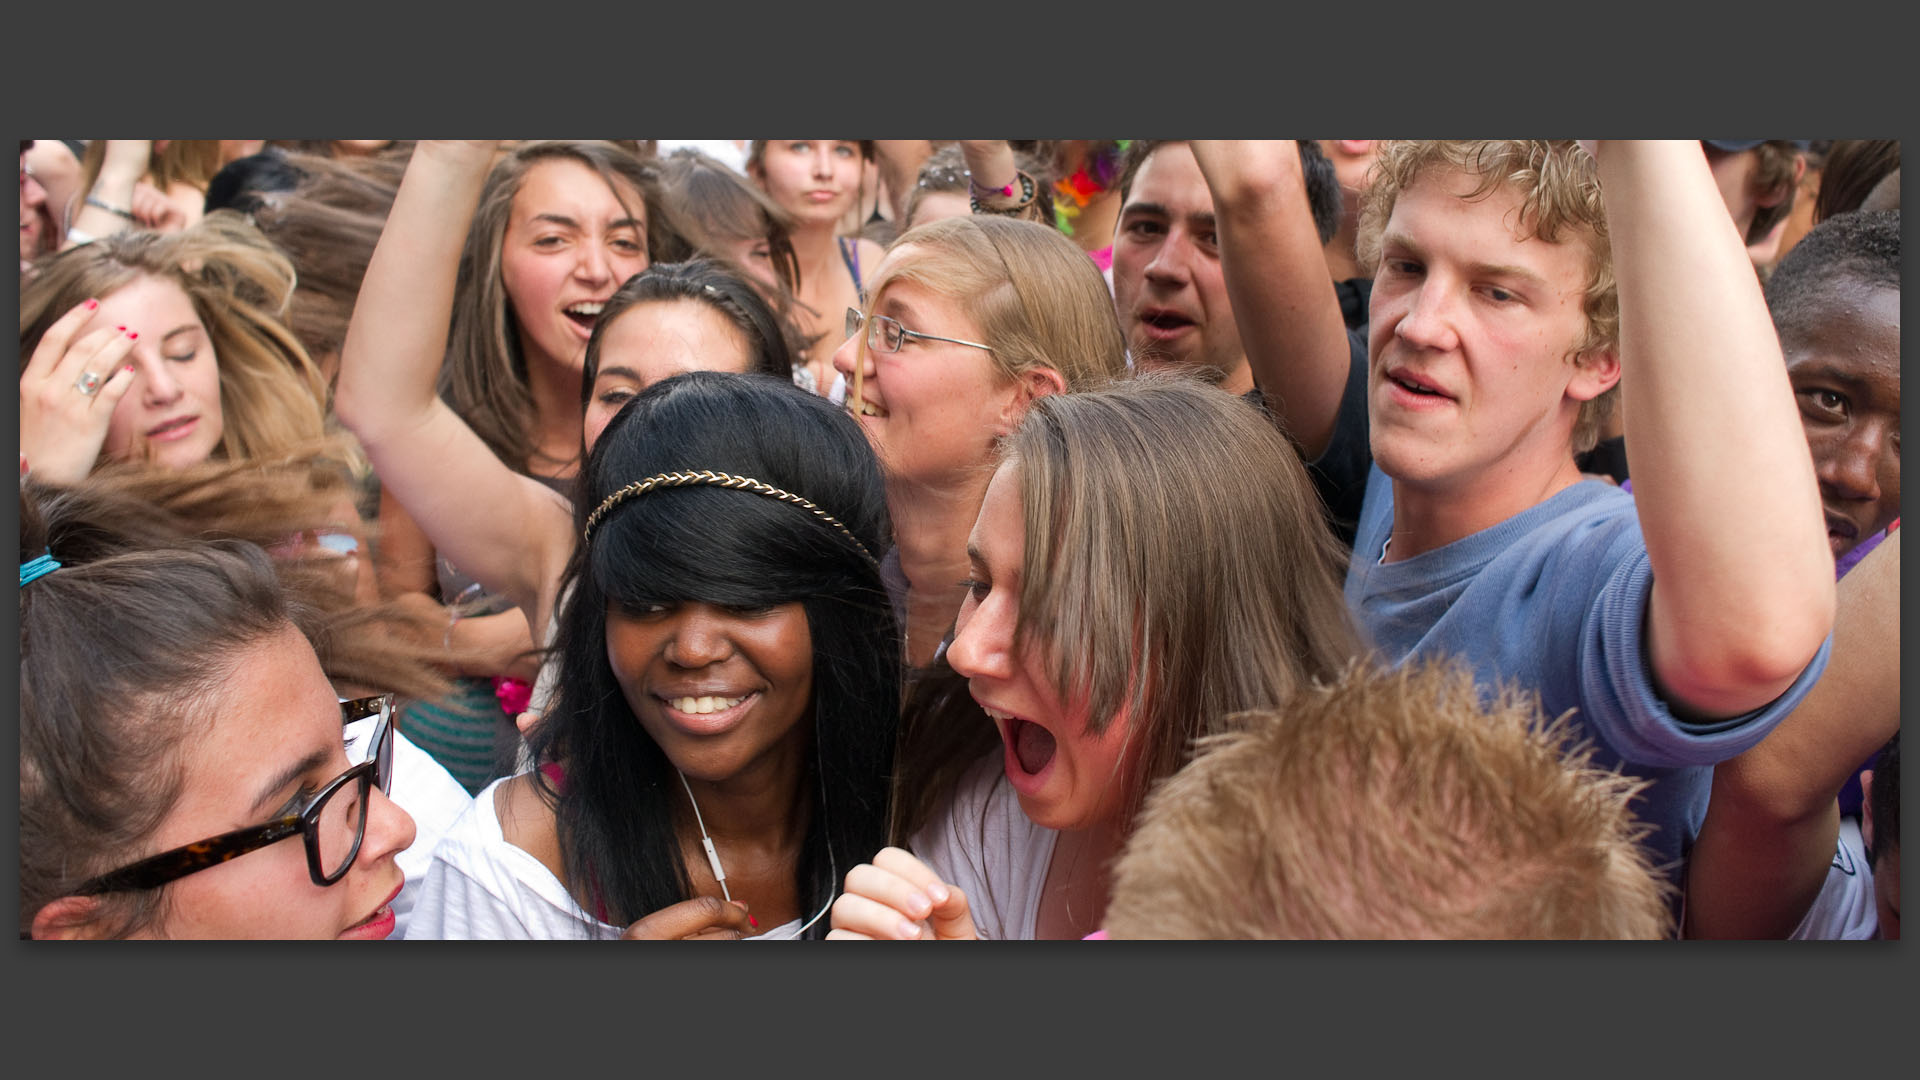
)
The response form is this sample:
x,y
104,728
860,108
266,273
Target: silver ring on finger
x,y
88,383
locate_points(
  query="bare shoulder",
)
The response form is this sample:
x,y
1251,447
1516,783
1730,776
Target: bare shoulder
x,y
871,253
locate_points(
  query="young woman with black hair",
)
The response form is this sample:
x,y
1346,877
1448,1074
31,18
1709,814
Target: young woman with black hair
x,y
513,275
719,747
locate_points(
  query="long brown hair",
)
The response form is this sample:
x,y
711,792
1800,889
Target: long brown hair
x,y
327,227
1177,569
485,378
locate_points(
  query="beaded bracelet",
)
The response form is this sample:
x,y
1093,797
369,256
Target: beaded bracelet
x,y
1027,192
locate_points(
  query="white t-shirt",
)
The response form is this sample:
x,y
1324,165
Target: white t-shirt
x,y
984,844
483,887
430,795
1844,910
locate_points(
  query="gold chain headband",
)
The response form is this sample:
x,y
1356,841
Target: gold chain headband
x,y
716,479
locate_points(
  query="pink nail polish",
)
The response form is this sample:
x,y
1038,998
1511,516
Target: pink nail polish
x,y
91,304
753,922
133,334
128,369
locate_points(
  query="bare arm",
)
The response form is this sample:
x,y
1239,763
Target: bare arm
x,y
900,161
477,645
991,167
1276,275
1743,589
1770,830
508,531
121,169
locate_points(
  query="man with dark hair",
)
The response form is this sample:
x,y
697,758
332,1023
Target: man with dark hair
x,y
1835,301
1680,624
1167,288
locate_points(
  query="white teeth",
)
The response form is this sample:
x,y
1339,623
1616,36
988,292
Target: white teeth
x,y
588,308
702,705
996,714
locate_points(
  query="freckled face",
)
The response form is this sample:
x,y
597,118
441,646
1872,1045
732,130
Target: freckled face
x,y
276,734
1470,334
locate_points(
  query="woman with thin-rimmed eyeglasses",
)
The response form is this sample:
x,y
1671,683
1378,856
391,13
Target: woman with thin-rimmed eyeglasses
x,y
968,320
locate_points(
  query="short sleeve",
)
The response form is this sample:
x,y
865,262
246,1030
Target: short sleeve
x,y
1625,709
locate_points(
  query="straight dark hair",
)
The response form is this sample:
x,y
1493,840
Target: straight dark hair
x,y
619,801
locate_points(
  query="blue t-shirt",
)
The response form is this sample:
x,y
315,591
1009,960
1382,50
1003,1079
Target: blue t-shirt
x,y
1554,599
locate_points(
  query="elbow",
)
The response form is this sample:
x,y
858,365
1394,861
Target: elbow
x,y
1743,664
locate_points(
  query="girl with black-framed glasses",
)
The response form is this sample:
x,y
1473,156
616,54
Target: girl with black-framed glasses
x,y
186,768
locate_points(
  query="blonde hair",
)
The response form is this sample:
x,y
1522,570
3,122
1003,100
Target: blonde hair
x,y
1559,195
272,394
1038,300
1391,804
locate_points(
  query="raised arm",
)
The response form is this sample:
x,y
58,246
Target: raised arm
x,y
107,207
1276,276
994,179
1743,589
507,530
900,161
1763,851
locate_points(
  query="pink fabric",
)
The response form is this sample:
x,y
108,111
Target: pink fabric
x,y
1102,258
1097,935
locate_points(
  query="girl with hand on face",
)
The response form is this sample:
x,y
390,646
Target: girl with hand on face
x,y
163,349
1149,560
523,256
718,749
192,774
820,184
971,320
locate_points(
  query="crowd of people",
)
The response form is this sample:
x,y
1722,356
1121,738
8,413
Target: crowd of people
x,y
1015,540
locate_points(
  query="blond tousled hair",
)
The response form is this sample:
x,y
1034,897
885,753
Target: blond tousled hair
x,y
272,395
1559,200
1038,299
1392,804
